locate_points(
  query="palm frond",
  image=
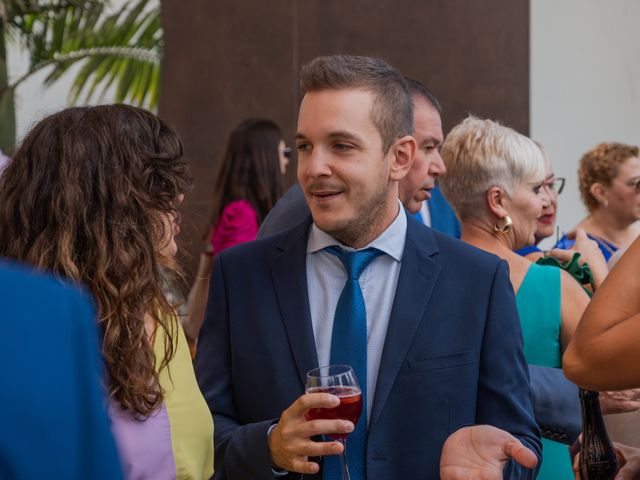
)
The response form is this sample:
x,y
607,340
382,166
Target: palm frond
x,y
124,47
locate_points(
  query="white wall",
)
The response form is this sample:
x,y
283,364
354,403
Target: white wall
x,y
585,83
33,101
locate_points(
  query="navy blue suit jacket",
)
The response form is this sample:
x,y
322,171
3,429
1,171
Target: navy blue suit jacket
x,y
556,403
452,356
443,218
52,406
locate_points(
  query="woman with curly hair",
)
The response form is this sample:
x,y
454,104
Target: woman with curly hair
x,y
609,177
92,195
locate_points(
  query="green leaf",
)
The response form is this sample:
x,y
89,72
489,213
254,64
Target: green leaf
x,y
125,81
123,48
100,74
143,87
58,29
87,70
154,87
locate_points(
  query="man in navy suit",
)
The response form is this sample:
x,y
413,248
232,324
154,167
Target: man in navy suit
x,y
444,344
556,401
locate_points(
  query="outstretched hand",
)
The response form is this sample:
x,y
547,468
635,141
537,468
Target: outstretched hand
x,y
480,452
621,401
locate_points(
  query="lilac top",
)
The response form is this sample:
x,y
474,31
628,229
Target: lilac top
x,y
176,441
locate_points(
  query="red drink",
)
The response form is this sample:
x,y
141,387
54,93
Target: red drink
x,y
350,406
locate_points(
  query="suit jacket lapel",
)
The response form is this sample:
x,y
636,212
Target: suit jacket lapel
x,y
288,270
418,275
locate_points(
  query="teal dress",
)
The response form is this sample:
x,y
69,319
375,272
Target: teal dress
x,y
538,301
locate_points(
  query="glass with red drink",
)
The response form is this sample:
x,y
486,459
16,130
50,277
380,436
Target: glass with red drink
x,y
341,381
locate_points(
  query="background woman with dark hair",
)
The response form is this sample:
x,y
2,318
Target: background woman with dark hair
x,y
92,195
248,185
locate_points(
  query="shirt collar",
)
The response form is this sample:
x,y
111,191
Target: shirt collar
x,y
391,241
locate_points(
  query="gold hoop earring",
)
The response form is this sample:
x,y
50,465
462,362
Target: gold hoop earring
x,y
506,228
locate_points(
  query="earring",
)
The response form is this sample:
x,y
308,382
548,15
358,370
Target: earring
x,y
605,203
506,228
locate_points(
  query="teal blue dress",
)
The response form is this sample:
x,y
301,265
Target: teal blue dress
x,y
538,301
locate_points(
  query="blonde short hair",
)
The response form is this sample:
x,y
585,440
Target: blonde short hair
x,y
547,160
480,154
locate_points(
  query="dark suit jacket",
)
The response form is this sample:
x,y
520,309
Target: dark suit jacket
x,y
452,356
52,406
443,218
555,399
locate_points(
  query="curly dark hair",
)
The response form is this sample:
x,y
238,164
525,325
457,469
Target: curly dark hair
x,y
86,196
600,165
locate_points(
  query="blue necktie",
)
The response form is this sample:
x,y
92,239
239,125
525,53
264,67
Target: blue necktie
x,y
349,347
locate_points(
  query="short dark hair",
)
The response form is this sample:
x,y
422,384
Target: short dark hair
x,y
392,111
419,89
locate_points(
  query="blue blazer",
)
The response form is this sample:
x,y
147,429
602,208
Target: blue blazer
x,y
452,356
443,218
52,405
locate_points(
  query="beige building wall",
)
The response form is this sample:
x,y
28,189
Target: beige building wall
x,y
585,83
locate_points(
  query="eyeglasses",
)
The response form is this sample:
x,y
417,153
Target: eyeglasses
x,y
635,184
287,152
556,185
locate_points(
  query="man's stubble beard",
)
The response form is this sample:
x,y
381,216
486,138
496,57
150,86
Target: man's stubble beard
x,y
367,225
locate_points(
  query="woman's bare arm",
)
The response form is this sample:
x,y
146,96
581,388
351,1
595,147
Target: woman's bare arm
x,y
574,300
604,353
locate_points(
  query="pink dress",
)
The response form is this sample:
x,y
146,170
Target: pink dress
x,y
238,223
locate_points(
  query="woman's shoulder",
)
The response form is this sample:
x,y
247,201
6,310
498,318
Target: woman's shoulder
x,y
536,278
238,208
237,224
564,243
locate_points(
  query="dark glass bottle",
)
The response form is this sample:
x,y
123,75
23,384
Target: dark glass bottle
x,y
597,457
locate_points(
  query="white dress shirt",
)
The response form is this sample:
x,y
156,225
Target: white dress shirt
x,y
326,278
425,213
